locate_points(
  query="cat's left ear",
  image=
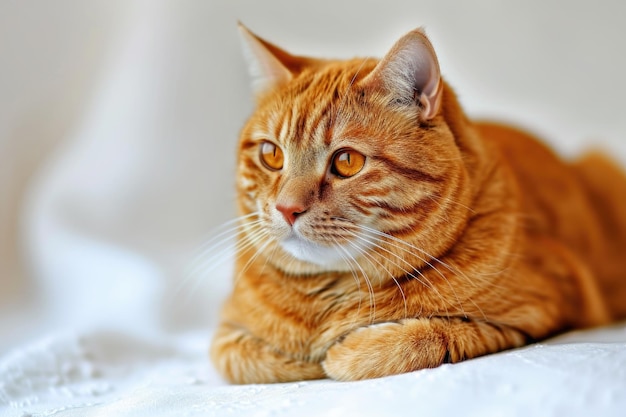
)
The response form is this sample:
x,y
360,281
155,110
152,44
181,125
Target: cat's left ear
x,y
269,66
410,74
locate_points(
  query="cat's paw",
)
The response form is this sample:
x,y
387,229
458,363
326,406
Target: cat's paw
x,y
386,349
245,359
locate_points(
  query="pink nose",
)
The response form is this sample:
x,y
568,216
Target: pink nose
x,y
290,212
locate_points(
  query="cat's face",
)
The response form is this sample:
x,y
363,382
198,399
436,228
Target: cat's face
x,y
335,166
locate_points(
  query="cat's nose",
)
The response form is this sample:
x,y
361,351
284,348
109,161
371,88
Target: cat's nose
x,y
290,211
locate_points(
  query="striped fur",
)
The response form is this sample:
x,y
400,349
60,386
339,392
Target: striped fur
x,y
455,240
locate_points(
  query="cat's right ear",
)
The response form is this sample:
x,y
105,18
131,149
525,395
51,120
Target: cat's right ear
x,y
268,65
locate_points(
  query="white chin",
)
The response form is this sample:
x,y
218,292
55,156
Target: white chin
x,y
304,250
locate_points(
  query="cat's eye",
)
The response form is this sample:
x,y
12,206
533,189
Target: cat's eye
x,y
272,156
347,163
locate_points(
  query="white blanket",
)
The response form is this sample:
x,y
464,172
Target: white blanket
x,y
110,373
118,127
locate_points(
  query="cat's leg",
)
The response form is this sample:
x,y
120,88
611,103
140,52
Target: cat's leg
x,y
245,359
411,344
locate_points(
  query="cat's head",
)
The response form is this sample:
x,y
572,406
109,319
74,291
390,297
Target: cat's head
x,y
350,162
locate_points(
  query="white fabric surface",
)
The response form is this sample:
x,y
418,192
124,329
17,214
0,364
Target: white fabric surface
x,y
118,124
117,374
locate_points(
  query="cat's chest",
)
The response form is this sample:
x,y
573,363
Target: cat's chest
x,y
305,323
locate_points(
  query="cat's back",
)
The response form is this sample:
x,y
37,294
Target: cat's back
x,y
551,198
579,203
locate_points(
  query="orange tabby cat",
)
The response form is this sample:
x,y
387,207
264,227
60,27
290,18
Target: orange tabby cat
x,y
383,232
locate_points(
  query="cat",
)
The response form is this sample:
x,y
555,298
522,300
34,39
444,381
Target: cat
x,y
381,231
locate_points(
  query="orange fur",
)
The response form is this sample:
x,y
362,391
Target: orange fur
x,y
456,239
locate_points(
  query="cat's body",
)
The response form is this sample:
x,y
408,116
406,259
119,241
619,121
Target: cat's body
x,y
386,232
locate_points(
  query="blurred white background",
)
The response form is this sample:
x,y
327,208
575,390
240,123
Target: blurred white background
x,y
119,119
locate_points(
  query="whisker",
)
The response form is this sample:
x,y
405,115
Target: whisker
x,y
214,235
370,288
452,269
449,200
226,247
253,257
218,240
201,264
369,258
423,279
267,258
422,260
411,246
354,275
240,249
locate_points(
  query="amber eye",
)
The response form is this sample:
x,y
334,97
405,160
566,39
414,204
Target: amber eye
x,y
272,156
347,163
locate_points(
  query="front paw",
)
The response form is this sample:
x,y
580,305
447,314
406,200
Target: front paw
x,y
245,359
386,349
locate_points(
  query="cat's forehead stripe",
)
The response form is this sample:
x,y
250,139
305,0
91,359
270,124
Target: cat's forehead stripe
x,y
315,109
282,127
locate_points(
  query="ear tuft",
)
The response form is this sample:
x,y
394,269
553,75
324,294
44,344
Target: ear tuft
x,y
410,74
264,62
